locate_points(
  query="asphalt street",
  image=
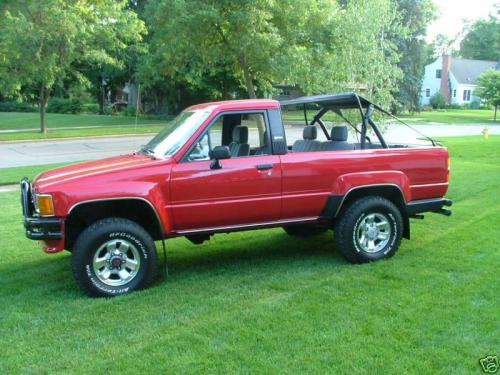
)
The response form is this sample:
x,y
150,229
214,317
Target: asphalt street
x,y
15,154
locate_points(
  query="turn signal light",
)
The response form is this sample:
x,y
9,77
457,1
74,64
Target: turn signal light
x,y
45,205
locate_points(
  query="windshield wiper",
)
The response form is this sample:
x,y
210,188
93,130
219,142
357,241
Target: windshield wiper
x,y
147,151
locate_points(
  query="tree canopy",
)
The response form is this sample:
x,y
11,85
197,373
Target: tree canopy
x,y
416,15
317,45
185,51
42,43
489,88
482,41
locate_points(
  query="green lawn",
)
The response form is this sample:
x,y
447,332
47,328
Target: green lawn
x,y
263,302
15,174
445,116
453,116
63,126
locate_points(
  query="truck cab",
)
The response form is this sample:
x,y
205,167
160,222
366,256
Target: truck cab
x,y
230,166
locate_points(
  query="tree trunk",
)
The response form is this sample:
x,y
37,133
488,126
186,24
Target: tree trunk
x,y
42,102
249,83
495,117
101,96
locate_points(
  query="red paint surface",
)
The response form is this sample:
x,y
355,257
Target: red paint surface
x,y
191,195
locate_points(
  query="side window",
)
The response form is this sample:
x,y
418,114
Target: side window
x,y
206,143
244,133
257,135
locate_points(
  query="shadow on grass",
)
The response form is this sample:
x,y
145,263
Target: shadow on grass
x,y
231,255
244,252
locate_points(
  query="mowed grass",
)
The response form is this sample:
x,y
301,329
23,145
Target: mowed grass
x,y
66,125
264,302
453,116
15,174
444,116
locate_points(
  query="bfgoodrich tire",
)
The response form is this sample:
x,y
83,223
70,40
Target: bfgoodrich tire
x,y
369,229
114,256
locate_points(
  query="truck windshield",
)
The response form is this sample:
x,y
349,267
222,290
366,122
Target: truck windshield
x,y
175,134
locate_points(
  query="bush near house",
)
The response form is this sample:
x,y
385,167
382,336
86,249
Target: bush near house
x,y
437,101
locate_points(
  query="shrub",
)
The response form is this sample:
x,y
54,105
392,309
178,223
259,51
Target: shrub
x,y
17,107
92,108
476,104
63,105
437,101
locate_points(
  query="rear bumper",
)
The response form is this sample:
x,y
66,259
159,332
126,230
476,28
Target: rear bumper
x,y
38,228
429,205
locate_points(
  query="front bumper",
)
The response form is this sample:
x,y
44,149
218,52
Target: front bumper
x,y
38,228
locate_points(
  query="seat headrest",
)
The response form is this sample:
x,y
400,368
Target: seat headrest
x,y
339,133
310,132
240,134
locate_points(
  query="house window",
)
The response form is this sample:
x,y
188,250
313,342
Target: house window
x,y
438,73
427,93
454,93
466,96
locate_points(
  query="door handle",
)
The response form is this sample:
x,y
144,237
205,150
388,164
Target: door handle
x,y
263,167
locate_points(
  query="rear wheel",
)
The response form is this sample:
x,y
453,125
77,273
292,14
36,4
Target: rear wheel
x,y
305,230
369,229
114,256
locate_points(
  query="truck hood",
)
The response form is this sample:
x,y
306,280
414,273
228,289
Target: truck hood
x,y
91,168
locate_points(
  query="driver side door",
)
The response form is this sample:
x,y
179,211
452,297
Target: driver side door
x,y
245,191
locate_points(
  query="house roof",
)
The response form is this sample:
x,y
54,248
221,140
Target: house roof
x,y
467,71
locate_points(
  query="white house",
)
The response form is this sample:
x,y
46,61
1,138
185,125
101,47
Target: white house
x,y
454,78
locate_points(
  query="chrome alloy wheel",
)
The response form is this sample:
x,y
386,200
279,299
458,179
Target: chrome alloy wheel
x,y
373,232
116,262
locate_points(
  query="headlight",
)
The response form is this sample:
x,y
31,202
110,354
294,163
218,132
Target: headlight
x,y
43,204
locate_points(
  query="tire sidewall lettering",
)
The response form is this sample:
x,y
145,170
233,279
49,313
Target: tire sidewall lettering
x,y
394,233
114,290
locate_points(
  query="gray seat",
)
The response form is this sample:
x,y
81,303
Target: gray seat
x,y
309,143
239,146
338,140
264,149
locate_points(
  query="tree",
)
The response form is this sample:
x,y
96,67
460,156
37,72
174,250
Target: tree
x,y
489,88
415,15
318,45
42,43
482,41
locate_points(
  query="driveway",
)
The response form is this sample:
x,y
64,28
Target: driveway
x,y
15,154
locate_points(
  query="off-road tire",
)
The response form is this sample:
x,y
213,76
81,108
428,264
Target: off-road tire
x,y
305,230
99,233
347,226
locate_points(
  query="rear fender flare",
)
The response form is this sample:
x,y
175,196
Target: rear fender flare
x,y
348,186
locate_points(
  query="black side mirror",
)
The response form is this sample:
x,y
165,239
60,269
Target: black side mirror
x,y
219,153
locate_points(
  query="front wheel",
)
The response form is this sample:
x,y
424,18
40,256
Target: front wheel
x,y
369,229
114,256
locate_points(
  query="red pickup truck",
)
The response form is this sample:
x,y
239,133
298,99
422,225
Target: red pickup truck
x,y
227,166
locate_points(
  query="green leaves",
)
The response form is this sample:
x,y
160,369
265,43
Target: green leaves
x,y
318,45
489,88
482,42
42,43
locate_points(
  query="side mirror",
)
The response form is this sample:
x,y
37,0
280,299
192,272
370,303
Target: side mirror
x,y
219,153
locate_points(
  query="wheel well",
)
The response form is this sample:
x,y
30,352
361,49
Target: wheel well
x,y
392,193
137,210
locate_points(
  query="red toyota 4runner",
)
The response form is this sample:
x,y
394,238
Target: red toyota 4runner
x,y
227,166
